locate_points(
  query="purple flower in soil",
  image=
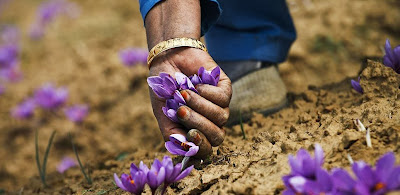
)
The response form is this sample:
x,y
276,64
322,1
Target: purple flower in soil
x,y
392,57
172,106
135,181
178,145
384,178
49,97
8,56
12,74
133,56
65,164
210,77
156,175
47,12
173,173
24,110
184,82
164,85
77,113
305,167
356,85
343,183
322,184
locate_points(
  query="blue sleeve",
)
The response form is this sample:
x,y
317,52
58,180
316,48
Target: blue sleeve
x,y
210,12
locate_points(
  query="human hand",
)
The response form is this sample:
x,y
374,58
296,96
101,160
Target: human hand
x,y
206,112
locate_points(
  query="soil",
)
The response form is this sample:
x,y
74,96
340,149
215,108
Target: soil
x,y
335,39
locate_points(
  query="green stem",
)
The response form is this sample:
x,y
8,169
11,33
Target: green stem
x,y
241,125
47,154
88,179
37,158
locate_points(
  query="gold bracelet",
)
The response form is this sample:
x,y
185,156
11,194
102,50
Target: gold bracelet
x,y
174,43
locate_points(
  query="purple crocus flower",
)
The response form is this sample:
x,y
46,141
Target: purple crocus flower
x,y
133,56
322,184
174,173
77,113
172,106
164,85
135,181
8,56
47,12
65,164
392,57
356,85
195,79
178,145
343,183
156,175
49,97
184,82
384,178
209,77
305,170
24,110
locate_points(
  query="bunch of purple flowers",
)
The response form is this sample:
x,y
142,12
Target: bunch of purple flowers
x,y
47,12
9,53
158,177
308,176
166,87
50,98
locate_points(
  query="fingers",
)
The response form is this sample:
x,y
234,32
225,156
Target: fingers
x,y
213,112
214,94
200,140
192,119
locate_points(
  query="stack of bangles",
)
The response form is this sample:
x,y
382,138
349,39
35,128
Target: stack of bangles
x,y
174,43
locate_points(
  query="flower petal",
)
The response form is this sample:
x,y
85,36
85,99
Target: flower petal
x,y
118,182
192,151
184,173
174,149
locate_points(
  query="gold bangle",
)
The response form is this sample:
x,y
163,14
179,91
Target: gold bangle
x,y
174,43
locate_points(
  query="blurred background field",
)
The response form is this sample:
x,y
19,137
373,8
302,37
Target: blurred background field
x,y
334,39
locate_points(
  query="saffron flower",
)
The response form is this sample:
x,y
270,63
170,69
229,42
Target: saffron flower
x,y
77,113
178,145
392,57
356,85
209,77
172,106
385,177
24,110
65,164
174,173
307,174
134,182
8,56
164,85
159,176
49,97
47,12
184,82
12,74
133,56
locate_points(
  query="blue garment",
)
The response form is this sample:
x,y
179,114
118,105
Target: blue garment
x,y
255,30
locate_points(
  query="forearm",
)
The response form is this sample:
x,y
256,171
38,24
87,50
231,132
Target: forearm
x,y
172,19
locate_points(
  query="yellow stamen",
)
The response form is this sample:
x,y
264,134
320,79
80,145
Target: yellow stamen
x,y
132,182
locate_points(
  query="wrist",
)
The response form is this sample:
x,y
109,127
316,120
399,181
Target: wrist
x,y
173,19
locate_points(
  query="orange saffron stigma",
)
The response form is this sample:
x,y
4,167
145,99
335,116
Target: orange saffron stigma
x,y
185,146
379,186
132,181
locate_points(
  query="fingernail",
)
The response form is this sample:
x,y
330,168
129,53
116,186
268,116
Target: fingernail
x,y
185,95
182,112
194,137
